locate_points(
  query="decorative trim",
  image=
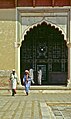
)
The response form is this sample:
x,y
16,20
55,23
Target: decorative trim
x,y
52,3
44,20
17,44
16,3
34,3
69,45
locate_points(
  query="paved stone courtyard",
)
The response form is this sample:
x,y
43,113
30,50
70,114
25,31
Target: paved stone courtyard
x,y
37,105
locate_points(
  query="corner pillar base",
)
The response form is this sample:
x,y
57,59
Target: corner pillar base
x,y
69,83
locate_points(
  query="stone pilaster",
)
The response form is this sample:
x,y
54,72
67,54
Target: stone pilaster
x,y
17,60
69,56
69,67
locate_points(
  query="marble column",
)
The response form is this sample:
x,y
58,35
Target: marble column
x,y
69,51
17,60
69,65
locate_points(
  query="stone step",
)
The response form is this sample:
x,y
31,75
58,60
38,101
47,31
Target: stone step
x,y
37,89
45,87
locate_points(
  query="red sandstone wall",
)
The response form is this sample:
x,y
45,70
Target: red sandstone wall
x,y
25,3
43,3
62,2
29,3
7,3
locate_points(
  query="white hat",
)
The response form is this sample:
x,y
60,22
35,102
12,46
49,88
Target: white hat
x,y
13,69
26,71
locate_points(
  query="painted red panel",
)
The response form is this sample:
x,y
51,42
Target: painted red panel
x,y
70,2
7,4
43,2
61,2
25,3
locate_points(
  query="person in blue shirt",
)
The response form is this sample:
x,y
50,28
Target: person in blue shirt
x,y
27,81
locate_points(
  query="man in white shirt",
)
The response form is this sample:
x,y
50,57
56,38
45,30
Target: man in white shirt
x,y
39,76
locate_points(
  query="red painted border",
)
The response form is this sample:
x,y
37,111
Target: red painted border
x,y
35,3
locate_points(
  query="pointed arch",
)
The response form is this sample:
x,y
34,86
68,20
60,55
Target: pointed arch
x,y
46,23
44,46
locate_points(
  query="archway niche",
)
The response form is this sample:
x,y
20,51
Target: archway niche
x,y
44,46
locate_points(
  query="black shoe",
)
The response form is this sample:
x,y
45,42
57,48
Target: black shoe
x,y
27,93
13,93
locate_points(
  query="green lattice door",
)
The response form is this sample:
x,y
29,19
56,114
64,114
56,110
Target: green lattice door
x,y
45,45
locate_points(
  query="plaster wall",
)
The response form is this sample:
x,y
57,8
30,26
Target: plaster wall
x,y
7,38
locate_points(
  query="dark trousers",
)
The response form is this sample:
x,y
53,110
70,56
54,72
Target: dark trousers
x,y
13,92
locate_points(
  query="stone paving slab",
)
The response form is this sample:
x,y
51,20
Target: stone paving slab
x,y
35,106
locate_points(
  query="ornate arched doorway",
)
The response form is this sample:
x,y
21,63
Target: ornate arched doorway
x,y
44,46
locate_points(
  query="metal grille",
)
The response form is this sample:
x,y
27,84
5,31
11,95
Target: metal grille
x,y
44,45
